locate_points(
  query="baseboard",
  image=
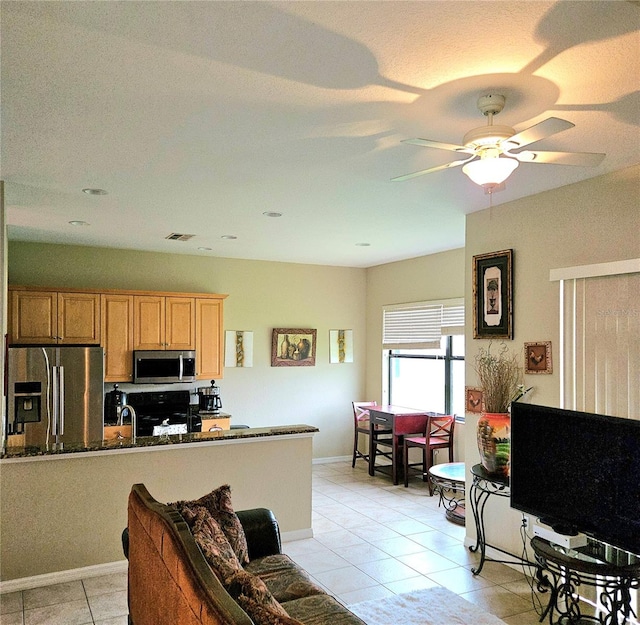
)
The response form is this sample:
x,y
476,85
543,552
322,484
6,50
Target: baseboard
x,y
331,459
71,575
288,537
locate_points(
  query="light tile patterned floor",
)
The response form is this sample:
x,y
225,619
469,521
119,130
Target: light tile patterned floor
x,y
371,540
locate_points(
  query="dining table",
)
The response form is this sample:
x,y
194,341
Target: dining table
x,y
402,421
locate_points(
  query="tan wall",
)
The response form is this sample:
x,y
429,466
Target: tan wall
x,y
69,512
262,296
594,221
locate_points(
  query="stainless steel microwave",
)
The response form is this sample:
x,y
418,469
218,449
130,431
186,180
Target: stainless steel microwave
x,y
164,366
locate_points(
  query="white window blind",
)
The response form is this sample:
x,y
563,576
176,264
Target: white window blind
x,y
420,325
600,350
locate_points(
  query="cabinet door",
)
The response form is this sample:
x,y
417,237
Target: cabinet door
x,y
181,329
148,322
209,338
117,337
33,317
79,318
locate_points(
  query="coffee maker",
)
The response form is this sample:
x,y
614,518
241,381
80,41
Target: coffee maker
x,y
114,402
209,399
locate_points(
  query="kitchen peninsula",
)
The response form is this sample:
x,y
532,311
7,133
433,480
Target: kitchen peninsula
x,y
63,511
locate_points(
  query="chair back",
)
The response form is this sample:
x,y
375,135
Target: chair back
x,y
441,428
361,410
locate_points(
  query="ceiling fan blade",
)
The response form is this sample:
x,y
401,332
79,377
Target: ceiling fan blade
x,y
580,159
427,143
544,129
415,174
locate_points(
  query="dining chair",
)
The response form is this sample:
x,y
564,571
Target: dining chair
x,y
361,426
438,434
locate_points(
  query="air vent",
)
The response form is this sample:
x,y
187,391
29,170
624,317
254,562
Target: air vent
x,y
175,236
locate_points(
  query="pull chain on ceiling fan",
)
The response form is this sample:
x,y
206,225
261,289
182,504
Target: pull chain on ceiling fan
x,y
490,148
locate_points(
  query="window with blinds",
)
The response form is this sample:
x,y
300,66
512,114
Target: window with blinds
x,y
420,325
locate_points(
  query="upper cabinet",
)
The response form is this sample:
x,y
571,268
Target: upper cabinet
x,y
209,338
164,322
79,318
117,336
121,321
53,317
149,322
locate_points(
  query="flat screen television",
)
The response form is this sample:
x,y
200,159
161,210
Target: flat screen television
x,y
578,472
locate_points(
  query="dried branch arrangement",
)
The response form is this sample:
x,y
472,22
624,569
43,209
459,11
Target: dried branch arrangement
x,y
500,377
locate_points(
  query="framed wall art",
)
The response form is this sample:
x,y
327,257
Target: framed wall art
x,y
238,348
473,399
340,346
293,347
493,295
537,357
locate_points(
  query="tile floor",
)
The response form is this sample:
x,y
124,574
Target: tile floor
x,y
371,540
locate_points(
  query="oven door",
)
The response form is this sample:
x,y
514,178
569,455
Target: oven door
x,y
163,366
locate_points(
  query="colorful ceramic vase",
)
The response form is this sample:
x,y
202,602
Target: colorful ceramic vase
x,y
494,442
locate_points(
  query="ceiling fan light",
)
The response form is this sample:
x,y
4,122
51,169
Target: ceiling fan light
x,y
490,171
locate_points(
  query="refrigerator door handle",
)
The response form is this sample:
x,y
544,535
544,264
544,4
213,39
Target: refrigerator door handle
x,y
55,387
61,400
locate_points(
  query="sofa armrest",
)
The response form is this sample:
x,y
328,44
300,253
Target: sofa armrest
x,y
262,531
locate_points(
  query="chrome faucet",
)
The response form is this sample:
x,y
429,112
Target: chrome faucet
x,y
132,413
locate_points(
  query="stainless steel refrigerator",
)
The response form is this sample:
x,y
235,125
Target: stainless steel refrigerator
x,y
55,394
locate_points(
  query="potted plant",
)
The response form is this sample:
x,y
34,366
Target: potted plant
x,y
500,377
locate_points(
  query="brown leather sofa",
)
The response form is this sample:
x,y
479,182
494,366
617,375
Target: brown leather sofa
x,y
171,582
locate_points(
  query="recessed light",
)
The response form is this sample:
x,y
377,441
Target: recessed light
x,y
205,249
363,244
272,214
90,191
229,237
79,223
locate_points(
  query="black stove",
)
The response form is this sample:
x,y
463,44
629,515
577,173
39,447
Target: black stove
x,y
163,408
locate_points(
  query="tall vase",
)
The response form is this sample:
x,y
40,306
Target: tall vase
x,y
494,442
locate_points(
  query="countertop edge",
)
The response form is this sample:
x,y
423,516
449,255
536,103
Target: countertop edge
x,y
261,435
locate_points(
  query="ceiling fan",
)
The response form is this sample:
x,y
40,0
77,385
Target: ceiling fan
x,y
489,158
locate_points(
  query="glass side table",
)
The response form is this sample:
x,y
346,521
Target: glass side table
x,y
448,481
594,565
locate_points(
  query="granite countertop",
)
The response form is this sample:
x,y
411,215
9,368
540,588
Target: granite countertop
x,y
155,441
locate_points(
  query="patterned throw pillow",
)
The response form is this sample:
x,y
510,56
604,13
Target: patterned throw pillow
x,y
243,583
212,542
264,615
218,503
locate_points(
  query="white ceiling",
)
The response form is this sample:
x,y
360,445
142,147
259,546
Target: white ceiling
x,y
197,117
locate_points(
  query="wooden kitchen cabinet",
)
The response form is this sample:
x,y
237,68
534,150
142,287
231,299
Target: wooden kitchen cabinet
x,y
121,321
164,322
148,322
209,344
79,318
117,337
33,316
54,317
180,323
